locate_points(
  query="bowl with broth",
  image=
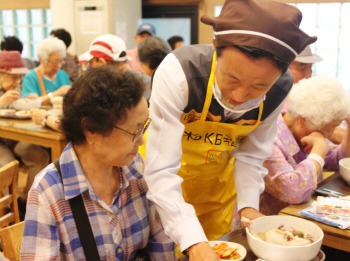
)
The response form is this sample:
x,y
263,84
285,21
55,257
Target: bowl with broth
x,y
287,238
344,169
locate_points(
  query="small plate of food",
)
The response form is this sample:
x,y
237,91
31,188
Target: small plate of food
x,y
25,114
228,250
7,113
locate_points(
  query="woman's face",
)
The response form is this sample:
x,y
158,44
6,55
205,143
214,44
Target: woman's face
x,y
326,131
10,81
118,149
53,64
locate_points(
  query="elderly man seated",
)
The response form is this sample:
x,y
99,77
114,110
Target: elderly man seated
x,y
34,157
48,80
301,150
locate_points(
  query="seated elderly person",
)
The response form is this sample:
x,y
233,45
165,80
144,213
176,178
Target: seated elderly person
x,y
151,52
114,55
97,56
101,167
48,80
35,158
301,150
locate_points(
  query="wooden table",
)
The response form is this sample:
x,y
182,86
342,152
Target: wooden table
x,y
333,237
25,130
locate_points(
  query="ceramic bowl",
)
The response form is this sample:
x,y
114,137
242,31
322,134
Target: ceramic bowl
x,y
344,168
271,252
26,104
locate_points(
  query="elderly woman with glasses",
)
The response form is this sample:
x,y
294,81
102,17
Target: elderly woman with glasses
x,y
301,147
48,80
104,117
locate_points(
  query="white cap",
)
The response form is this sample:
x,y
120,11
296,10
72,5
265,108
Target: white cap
x,y
106,46
306,56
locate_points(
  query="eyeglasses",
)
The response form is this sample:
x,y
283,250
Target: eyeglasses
x,y
56,62
139,132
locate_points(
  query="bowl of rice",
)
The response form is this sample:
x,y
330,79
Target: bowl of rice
x,y
287,238
344,169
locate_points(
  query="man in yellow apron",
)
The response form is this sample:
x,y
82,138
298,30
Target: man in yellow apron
x,y
214,120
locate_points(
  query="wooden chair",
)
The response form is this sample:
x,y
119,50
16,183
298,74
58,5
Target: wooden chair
x,y
11,240
8,179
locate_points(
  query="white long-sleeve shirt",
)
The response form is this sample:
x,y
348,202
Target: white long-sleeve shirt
x,y
164,150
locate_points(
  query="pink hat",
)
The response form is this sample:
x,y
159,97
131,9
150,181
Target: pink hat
x,y
106,46
11,62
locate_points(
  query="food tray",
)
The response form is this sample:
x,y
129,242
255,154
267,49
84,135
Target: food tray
x,y
337,184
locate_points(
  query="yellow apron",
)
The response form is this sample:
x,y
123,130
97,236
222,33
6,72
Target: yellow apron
x,y
207,167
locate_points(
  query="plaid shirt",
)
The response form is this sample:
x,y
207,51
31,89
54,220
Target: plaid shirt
x,y
129,224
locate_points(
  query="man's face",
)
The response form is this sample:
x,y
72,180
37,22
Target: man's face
x,y
241,78
141,37
300,71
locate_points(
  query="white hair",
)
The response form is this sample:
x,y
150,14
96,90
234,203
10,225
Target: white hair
x,y
319,100
49,46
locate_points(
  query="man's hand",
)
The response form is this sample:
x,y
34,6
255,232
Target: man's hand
x,y
37,115
62,90
202,252
315,143
9,97
250,213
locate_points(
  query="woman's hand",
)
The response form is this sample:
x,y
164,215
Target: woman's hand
x,y
62,90
202,252
37,115
315,143
9,97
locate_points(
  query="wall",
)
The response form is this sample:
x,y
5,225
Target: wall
x,y
123,21
63,17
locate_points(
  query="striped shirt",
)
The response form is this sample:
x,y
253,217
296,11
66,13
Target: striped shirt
x,y
129,224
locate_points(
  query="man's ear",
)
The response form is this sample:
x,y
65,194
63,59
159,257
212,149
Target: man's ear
x,y
214,43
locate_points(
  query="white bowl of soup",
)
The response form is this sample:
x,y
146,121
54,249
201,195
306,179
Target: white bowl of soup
x,y
26,104
344,169
264,238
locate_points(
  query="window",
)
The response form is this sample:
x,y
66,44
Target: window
x,y
29,25
331,25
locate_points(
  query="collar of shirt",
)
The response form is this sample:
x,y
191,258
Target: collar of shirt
x,y
286,137
74,179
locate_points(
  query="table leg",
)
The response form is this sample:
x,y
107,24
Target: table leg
x,y
57,149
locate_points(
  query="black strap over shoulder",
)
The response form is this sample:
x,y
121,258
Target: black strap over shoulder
x,y
82,222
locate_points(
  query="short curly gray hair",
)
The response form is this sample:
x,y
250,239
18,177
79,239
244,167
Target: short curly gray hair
x,y
319,100
49,46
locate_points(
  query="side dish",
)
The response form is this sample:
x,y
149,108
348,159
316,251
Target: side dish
x,y
225,252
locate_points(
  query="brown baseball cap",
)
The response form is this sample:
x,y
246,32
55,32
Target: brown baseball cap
x,y
264,24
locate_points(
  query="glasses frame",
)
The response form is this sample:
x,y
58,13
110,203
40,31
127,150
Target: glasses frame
x,y
56,62
139,132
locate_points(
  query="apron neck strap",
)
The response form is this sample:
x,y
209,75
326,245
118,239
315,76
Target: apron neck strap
x,y
209,95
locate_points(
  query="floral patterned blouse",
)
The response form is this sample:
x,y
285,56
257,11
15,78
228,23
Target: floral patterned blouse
x,y
292,176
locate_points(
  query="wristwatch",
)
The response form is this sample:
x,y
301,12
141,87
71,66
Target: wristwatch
x,y
44,119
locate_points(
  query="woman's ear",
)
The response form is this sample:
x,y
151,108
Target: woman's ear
x,y
102,61
89,136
